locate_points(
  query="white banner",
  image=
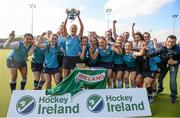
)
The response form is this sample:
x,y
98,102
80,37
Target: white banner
x,y
87,103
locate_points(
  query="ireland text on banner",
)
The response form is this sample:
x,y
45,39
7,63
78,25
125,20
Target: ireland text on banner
x,y
80,78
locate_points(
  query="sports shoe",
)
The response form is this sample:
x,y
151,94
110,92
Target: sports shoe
x,y
150,98
173,100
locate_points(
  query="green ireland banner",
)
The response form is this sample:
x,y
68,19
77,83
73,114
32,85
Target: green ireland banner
x,y
80,78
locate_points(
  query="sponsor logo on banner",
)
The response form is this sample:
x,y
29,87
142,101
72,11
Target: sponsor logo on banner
x,y
26,105
89,103
95,103
90,78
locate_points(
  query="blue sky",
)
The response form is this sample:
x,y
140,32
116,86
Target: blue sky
x,y
149,15
163,17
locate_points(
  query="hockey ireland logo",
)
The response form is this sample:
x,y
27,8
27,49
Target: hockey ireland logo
x,y
25,105
95,103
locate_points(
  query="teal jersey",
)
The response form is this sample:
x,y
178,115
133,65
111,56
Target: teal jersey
x,y
90,60
20,54
118,59
61,45
38,56
72,47
50,60
150,45
129,60
153,60
153,64
106,55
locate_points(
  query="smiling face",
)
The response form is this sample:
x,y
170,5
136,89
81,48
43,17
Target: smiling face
x,y
90,35
119,39
108,35
53,39
28,39
147,37
170,43
84,41
61,30
142,45
93,42
128,47
137,38
48,34
73,30
126,36
102,43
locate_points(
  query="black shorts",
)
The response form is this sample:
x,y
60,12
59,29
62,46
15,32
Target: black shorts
x,y
148,74
36,67
107,65
118,67
60,60
15,64
51,70
130,69
70,62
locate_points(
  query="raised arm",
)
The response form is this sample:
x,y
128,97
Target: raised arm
x,y
155,43
133,31
81,25
114,29
31,50
141,53
116,48
65,23
153,53
8,43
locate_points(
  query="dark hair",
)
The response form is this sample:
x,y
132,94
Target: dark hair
x,y
84,37
147,33
171,37
97,43
54,35
130,43
56,46
120,36
28,34
125,32
102,37
139,33
109,32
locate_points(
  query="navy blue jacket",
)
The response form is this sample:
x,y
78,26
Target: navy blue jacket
x,y
165,54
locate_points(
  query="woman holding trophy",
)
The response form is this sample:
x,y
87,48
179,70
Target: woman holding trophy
x,y
72,48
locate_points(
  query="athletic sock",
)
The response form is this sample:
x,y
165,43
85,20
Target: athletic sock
x,y
119,84
149,90
127,84
36,82
12,85
41,83
23,83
